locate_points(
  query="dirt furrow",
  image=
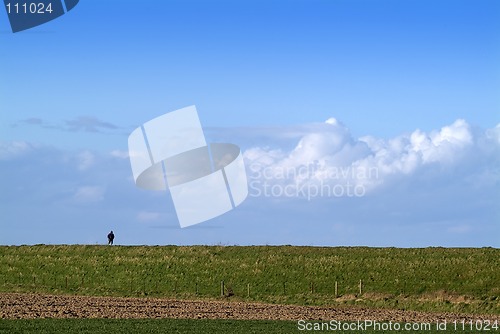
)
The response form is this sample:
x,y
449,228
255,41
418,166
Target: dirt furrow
x,y
30,306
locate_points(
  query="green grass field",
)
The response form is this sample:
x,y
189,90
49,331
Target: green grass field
x,y
184,326
430,279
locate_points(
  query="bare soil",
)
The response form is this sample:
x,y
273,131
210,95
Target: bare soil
x,y
31,306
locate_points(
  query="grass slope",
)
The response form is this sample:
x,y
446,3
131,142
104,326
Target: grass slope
x,y
430,279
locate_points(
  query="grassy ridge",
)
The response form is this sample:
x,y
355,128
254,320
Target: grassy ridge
x,y
434,279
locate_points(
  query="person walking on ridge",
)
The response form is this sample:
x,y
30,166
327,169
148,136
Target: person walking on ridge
x,y
111,237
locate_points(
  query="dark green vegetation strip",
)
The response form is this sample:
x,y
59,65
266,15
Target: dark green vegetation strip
x,y
184,326
106,326
430,279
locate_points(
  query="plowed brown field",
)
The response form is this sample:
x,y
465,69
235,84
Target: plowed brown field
x,y
28,306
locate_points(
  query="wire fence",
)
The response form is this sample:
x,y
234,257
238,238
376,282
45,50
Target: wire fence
x,y
143,285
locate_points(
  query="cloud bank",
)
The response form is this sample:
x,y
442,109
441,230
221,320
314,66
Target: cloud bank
x,y
329,161
313,184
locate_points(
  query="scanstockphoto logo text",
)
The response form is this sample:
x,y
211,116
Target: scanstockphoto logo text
x,y
310,181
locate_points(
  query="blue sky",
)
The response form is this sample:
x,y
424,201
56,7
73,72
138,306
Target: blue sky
x,y
412,87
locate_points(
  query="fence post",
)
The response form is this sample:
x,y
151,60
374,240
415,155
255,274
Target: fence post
x,y
360,287
66,282
248,290
336,289
222,288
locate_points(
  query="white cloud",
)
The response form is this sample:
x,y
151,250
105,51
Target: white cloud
x,y
85,160
443,146
494,134
460,229
119,154
86,194
330,156
13,149
148,216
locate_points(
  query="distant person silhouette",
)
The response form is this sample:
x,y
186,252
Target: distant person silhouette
x,y
111,237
